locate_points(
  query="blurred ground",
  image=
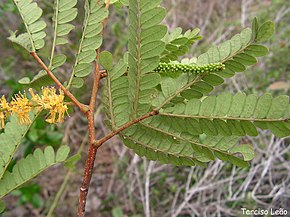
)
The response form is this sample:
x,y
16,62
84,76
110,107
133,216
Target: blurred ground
x,y
137,186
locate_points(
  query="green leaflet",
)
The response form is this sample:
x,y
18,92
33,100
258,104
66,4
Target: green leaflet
x,y
236,115
145,46
172,144
106,60
91,39
10,140
115,95
30,13
177,44
22,40
265,31
64,12
40,80
29,167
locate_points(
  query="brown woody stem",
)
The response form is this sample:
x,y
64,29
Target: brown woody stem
x,y
92,136
94,145
88,167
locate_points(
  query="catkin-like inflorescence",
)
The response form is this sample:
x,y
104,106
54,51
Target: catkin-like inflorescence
x,y
189,68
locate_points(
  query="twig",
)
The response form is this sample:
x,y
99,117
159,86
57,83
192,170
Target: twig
x,y
125,126
86,180
97,72
81,106
92,156
89,164
92,136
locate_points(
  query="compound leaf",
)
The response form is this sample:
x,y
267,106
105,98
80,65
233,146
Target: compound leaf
x,y
29,167
144,50
30,13
10,140
91,39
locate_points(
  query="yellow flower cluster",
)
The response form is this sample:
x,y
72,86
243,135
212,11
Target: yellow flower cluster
x,y
21,106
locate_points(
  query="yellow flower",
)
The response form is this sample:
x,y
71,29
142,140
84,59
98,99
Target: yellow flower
x,y
53,102
34,97
21,106
3,104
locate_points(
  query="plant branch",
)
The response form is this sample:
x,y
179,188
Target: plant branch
x,y
88,167
81,106
95,89
97,72
92,135
125,126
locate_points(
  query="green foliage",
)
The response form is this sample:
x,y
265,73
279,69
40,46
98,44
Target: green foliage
x,y
173,144
177,44
191,128
236,54
90,41
145,47
265,31
106,60
64,12
114,95
30,13
120,3
240,51
41,133
10,140
236,115
117,212
187,126
31,166
38,81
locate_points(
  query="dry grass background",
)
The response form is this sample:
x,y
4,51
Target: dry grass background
x,y
138,186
